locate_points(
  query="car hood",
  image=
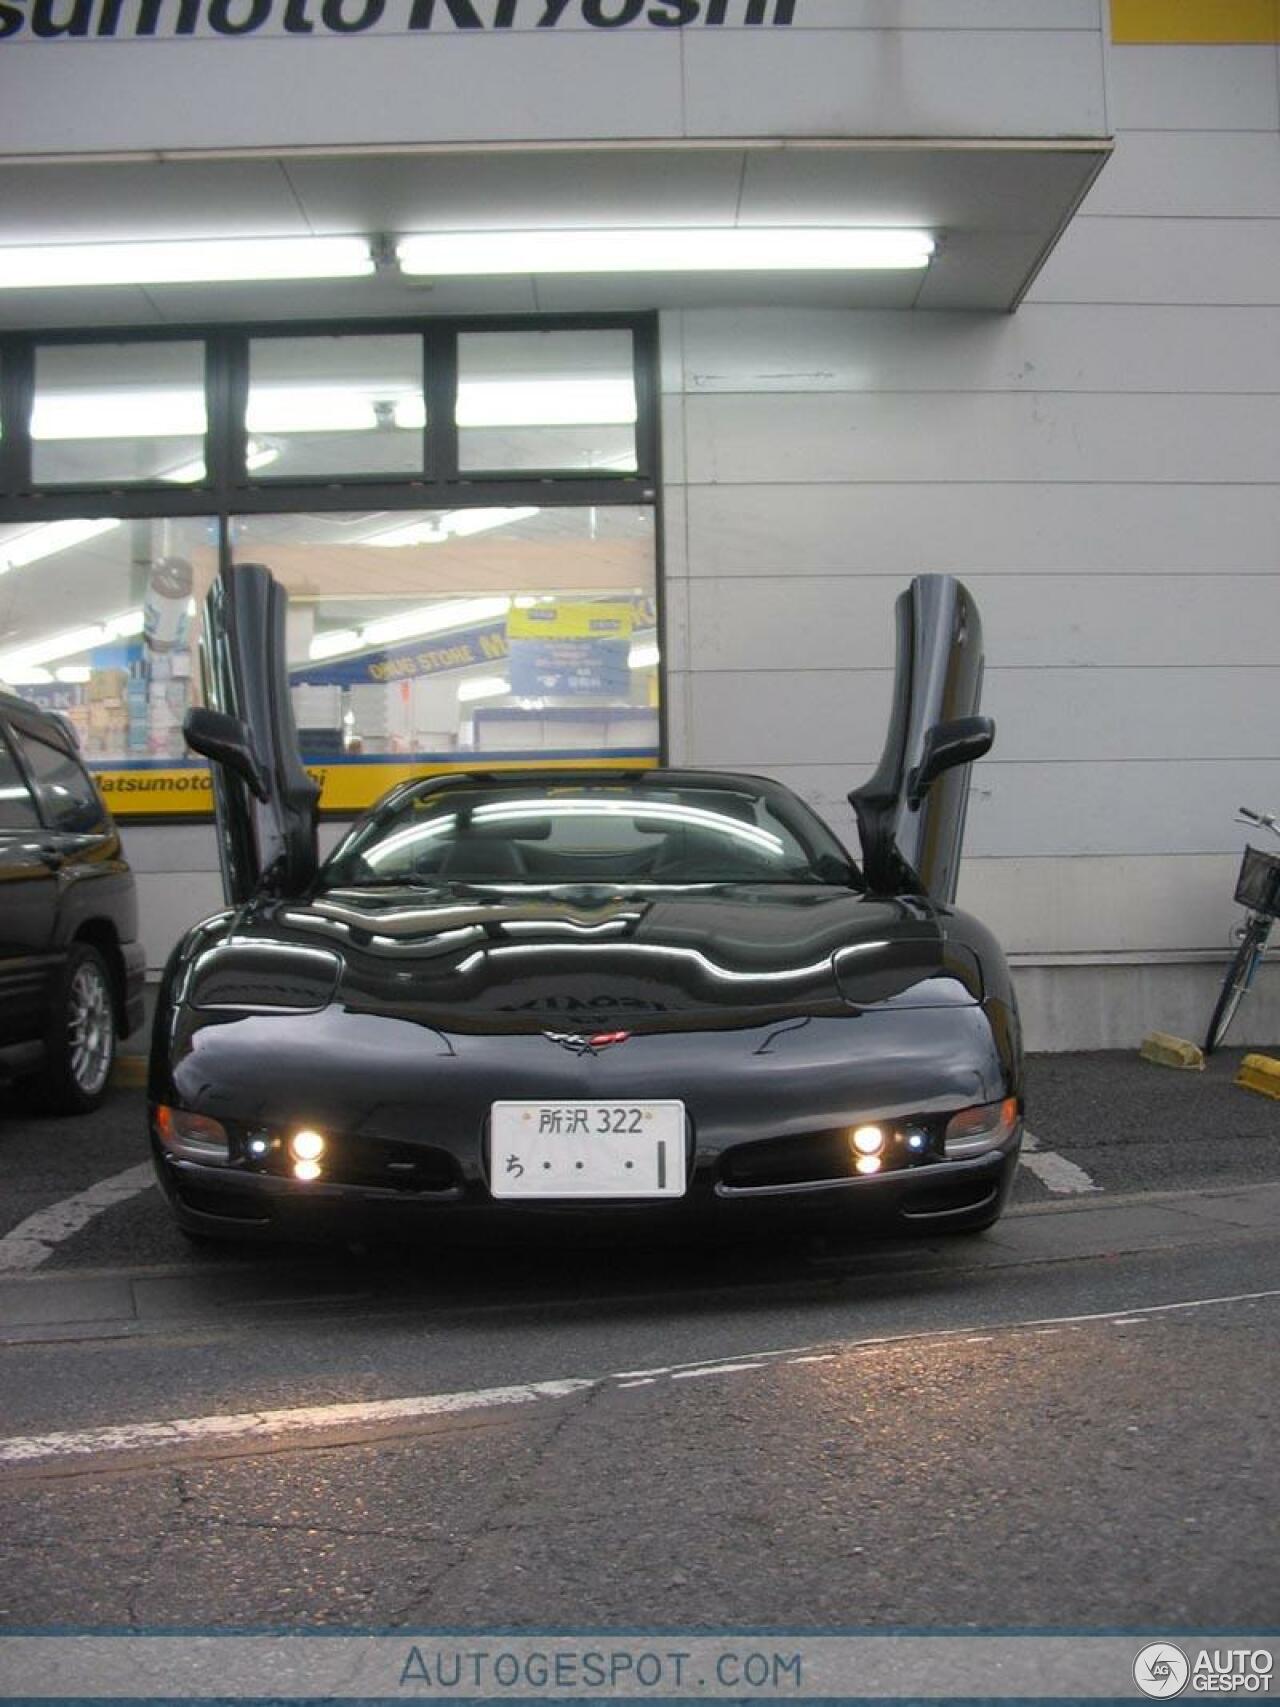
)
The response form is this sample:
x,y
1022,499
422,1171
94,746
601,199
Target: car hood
x,y
586,958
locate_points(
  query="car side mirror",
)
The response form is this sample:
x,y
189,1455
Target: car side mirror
x,y
947,745
225,741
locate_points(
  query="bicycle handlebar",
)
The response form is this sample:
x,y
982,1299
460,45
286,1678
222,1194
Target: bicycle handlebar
x,y
1266,820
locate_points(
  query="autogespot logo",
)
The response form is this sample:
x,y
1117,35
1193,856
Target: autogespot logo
x,y
1161,1669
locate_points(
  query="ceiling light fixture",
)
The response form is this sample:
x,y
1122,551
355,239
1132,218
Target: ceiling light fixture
x,y
667,249
453,524
25,663
433,619
48,539
208,260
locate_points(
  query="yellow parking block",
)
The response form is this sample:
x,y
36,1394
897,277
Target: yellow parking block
x,y
1260,1073
1169,1051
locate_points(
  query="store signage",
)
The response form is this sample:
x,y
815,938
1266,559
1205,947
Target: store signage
x,y
461,650
50,20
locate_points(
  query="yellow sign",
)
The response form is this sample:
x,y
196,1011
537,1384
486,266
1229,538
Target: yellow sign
x,y
1194,22
344,788
571,619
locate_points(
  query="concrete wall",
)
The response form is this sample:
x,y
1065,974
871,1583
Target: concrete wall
x,y
1101,469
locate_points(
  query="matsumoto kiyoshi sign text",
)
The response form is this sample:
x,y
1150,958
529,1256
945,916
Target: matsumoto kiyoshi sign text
x,y
172,19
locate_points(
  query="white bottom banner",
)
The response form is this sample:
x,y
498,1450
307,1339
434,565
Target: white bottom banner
x,y
473,1666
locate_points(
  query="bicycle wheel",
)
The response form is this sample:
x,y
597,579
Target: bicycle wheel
x,y
1238,979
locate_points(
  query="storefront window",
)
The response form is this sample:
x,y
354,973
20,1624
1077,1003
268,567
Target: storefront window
x,y
119,414
546,400
350,405
506,616
426,638
101,615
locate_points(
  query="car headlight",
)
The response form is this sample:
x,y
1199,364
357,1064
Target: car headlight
x,y
973,1131
193,1137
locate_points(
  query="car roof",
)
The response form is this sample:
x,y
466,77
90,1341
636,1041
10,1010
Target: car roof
x,y
51,724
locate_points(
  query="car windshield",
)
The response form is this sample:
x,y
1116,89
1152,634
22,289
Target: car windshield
x,y
552,832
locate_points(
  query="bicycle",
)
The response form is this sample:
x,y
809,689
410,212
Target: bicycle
x,y
1258,891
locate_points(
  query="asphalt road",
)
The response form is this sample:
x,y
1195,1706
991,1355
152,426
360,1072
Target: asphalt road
x,y
1067,1423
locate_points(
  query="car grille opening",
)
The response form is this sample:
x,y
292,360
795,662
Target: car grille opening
x,y
813,1156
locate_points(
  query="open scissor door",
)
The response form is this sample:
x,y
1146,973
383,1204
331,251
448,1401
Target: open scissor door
x,y
911,812
264,799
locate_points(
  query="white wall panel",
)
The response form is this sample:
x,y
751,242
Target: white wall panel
x,y
1062,348
1163,260
623,84
835,623
1107,905
755,718
1193,88
1061,437
954,14
1199,174
1032,529
169,903
676,616
675,533
1051,810
952,82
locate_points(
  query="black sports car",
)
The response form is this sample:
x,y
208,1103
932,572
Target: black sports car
x,y
583,991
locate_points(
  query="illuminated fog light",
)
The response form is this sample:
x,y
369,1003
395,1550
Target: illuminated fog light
x,y
916,1141
258,1147
306,1170
868,1141
868,1164
307,1146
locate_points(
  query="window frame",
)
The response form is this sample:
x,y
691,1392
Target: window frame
x,y
9,749
25,737
229,489
228,484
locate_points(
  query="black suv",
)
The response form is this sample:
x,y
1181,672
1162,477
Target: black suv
x,y
70,963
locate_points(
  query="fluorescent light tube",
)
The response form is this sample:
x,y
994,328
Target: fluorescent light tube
x,y
453,524
483,687
334,642
218,260
433,619
312,409
48,539
546,403
666,249
16,666
119,415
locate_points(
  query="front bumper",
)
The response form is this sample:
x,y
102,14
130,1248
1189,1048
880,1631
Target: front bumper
x,y
943,1196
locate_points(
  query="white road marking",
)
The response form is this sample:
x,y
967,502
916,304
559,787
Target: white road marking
x,y
268,1426
265,1428
34,1240
645,1381
715,1369
1062,1177
815,1357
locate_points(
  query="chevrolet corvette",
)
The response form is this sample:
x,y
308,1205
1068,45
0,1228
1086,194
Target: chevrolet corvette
x,y
572,993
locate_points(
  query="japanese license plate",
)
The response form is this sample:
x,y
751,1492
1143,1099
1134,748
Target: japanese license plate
x,y
586,1149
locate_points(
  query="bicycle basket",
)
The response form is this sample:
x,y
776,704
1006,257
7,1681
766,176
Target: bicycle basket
x,y
1258,885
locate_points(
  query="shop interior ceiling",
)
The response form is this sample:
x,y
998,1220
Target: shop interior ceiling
x,y
997,209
